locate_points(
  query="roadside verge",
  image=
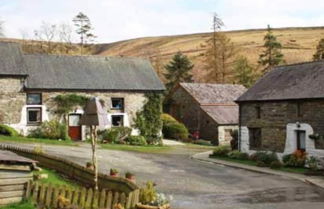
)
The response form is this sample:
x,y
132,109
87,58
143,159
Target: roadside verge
x,y
314,180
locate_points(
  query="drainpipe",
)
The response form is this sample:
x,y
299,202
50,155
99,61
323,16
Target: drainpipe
x,y
239,131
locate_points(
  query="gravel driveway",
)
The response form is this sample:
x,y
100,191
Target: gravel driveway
x,y
199,185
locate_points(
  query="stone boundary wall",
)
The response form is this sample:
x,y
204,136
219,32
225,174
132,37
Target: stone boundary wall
x,y
74,171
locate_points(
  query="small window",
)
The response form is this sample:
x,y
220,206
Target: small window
x,y
255,138
117,103
117,120
258,111
34,98
34,115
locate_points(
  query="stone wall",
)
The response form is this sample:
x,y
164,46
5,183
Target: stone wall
x,y
11,100
187,110
275,116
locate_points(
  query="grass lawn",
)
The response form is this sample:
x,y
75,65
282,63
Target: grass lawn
x,y
22,205
55,179
34,140
253,163
145,149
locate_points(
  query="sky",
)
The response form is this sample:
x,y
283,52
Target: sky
x,y
115,20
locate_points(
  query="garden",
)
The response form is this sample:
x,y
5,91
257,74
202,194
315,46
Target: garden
x,y
296,162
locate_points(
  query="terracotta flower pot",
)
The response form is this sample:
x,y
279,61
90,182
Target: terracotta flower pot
x,y
114,174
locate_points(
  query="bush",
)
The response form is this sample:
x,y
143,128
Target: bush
x,y
260,164
7,130
238,155
312,163
148,194
202,142
265,157
115,134
221,151
136,140
166,118
175,130
50,130
275,164
296,159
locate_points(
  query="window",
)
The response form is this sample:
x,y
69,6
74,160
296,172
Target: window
x,y
258,111
34,98
255,138
117,120
34,115
117,103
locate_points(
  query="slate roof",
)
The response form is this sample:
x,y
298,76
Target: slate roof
x,y
297,81
206,93
217,100
60,72
8,157
223,114
11,60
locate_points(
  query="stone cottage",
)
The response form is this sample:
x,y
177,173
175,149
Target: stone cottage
x,y
28,84
284,111
208,109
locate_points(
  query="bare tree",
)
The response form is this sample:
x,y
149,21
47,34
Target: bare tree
x,y
65,37
46,35
1,29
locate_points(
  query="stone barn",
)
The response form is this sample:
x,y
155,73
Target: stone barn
x,y
208,109
15,173
284,111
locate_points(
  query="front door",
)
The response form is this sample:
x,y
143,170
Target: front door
x,y
301,140
75,127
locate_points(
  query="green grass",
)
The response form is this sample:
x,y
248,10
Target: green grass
x,y
55,179
253,163
21,139
22,205
145,149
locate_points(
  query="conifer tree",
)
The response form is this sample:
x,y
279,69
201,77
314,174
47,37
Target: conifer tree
x,y
178,70
244,72
84,28
272,55
319,55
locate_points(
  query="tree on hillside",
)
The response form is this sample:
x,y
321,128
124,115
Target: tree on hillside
x,y
319,54
178,70
84,28
244,72
46,36
272,55
219,55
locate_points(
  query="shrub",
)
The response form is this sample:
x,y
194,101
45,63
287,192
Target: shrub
x,y
50,130
148,194
238,155
275,164
265,157
260,164
296,159
115,134
202,142
221,151
136,140
175,130
312,163
166,118
7,130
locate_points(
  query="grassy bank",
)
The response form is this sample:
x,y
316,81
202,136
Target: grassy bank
x,y
144,149
21,139
22,205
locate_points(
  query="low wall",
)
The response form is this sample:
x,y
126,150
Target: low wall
x,y
74,171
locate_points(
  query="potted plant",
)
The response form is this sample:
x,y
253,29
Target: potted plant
x,y
150,199
89,165
114,172
130,176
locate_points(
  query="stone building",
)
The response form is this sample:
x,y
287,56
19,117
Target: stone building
x,y
28,84
284,111
208,109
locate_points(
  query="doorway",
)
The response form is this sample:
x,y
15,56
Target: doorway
x,y
301,140
75,129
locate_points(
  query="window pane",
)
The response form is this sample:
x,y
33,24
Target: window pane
x,y
34,99
117,103
117,120
74,120
34,115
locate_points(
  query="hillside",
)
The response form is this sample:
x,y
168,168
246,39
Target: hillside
x,y
298,46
